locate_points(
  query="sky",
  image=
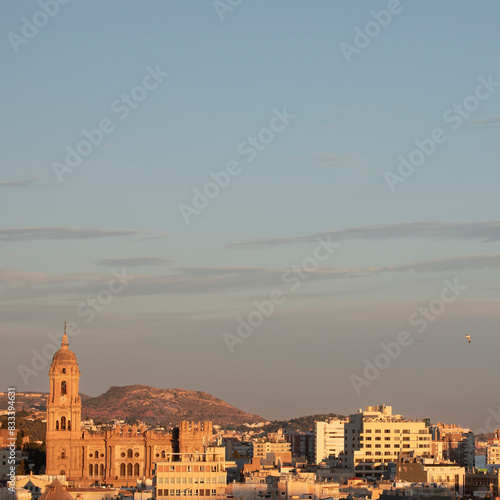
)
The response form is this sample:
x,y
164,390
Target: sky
x,y
291,206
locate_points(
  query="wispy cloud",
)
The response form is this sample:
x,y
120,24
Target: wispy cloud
x,y
15,284
134,261
30,181
485,231
60,233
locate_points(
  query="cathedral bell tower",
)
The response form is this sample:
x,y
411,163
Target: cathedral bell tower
x,y
64,409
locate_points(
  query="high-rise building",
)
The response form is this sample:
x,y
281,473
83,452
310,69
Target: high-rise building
x,y
329,439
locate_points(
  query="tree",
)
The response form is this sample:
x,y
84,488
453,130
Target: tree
x,y
21,468
19,440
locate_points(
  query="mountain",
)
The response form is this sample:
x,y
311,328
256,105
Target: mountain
x,y
167,406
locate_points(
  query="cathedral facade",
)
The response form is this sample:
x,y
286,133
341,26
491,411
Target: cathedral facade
x,y
118,457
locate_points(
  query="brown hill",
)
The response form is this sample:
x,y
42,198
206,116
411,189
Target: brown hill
x,y
166,406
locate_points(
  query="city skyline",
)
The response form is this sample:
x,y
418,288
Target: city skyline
x,y
292,209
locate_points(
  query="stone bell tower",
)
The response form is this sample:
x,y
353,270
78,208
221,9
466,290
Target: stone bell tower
x,y
64,410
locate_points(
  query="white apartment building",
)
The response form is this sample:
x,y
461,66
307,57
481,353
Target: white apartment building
x,y
376,436
192,474
329,439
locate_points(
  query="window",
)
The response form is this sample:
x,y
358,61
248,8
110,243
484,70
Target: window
x,y
129,470
63,387
163,454
378,438
214,492
96,470
64,370
368,438
91,470
129,453
102,469
368,430
190,468
63,455
63,423
378,431
122,469
136,470
96,454
69,425
387,438
387,431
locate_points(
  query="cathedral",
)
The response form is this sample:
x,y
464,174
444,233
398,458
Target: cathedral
x,y
118,457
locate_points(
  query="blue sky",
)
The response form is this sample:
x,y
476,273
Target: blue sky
x,y
323,173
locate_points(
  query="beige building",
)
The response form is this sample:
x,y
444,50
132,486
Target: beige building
x,y
493,454
261,449
192,474
450,475
376,436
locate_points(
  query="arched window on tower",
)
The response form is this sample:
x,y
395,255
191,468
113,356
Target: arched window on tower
x,y
122,470
96,470
64,370
63,423
96,454
162,454
102,470
57,425
136,470
129,453
129,470
69,425
63,454
63,387
91,470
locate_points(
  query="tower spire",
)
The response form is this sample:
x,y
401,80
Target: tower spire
x,y
64,343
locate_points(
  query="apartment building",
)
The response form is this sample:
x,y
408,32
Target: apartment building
x,y
329,439
192,474
262,447
458,444
375,437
